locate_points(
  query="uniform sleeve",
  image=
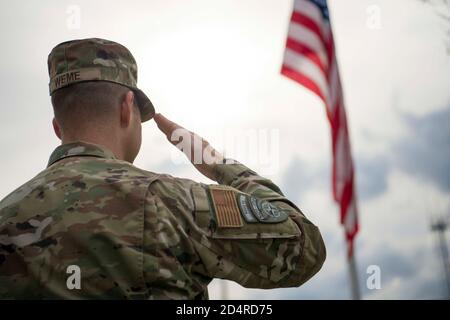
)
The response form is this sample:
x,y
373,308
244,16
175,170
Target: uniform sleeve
x,y
246,231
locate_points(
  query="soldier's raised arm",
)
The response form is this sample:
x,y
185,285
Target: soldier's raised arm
x,y
244,229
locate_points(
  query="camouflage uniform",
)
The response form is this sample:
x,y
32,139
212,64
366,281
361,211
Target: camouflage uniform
x,y
136,234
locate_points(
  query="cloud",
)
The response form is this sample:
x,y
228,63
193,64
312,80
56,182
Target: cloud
x,y
301,176
408,275
426,151
423,151
396,236
371,176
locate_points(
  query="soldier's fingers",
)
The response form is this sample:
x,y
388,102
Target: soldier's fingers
x,y
165,125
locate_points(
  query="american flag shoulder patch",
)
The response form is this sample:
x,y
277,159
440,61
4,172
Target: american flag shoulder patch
x,y
226,207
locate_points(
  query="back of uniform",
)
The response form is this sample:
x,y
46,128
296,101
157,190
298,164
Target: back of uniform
x,y
134,234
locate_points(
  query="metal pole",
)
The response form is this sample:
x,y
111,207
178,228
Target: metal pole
x,y
440,226
444,252
354,283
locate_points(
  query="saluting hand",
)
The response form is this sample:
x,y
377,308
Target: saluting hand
x,y
201,154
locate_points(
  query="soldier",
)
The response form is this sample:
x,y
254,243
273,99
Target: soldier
x,y
129,233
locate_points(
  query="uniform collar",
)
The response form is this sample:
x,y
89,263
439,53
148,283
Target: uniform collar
x,y
77,149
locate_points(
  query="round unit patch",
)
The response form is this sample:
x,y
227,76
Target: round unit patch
x,y
256,210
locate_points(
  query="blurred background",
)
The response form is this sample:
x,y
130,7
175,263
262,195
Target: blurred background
x,y
214,67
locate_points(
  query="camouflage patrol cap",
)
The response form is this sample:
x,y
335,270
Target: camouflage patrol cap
x,y
96,60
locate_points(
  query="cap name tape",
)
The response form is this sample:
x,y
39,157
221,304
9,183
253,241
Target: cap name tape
x,y
74,76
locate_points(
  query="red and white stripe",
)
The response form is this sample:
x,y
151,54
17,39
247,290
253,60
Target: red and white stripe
x,y
310,60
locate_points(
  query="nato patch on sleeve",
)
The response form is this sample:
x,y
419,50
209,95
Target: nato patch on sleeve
x,y
255,210
225,207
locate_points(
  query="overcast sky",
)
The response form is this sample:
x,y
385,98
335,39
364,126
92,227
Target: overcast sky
x,y
213,66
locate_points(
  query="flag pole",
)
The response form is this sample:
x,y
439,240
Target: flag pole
x,y
354,283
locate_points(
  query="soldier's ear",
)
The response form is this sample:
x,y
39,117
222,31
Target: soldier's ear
x,y
126,109
56,128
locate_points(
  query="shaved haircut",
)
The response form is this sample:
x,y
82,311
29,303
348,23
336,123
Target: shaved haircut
x,y
87,104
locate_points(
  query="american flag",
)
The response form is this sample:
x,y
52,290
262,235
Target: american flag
x,y
310,60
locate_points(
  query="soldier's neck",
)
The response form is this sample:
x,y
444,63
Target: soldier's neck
x,y
108,143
